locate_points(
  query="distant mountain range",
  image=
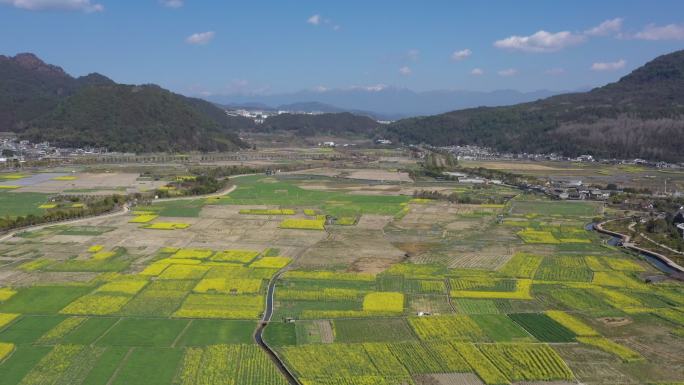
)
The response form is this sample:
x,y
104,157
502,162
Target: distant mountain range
x,y
41,102
641,115
384,103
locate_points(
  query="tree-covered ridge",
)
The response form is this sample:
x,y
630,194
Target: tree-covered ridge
x,y
337,124
42,102
641,115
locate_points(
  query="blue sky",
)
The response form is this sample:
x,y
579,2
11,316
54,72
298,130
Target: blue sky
x,y
204,47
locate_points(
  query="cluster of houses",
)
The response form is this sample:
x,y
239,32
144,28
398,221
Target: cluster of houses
x,y
13,150
470,152
259,116
465,178
575,190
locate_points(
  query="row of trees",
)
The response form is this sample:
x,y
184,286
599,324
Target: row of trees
x,y
92,206
459,198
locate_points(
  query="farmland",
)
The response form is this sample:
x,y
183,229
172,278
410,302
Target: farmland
x,y
370,286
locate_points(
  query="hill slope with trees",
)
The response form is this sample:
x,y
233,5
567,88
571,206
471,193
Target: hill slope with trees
x,y
641,115
42,102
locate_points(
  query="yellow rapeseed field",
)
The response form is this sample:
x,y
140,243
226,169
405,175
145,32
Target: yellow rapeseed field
x,y
6,318
238,256
5,350
167,226
96,304
303,224
95,248
6,293
272,262
123,286
193,253
384,302
143,218
625,353
575,325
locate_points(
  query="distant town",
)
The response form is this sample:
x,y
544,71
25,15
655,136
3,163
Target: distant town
x,y
14,150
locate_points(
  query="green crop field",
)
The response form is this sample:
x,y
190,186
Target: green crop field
x,y
373,330
13,204
543,328
371,286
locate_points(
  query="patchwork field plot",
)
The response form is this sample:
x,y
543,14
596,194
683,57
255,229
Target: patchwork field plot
x,y
521,362
543,327
373,287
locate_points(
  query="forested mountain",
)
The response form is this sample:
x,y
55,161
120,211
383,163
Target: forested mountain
x,y
641,115
336,124
42,102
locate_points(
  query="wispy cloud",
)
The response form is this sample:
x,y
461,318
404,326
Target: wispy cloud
x,y
608,66
541,41
555,71
405,71
318,20
172,3
314,19
460,55
200,38
370,88
664,32
55,5
608,27
413,54
477,72
508,72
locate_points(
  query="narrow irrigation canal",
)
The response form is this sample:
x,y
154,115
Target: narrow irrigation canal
x,y
259,333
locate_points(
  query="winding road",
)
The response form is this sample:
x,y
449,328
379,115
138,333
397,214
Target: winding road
x,y
259,332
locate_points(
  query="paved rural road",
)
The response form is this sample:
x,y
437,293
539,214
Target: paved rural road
x,y
259,333
125,209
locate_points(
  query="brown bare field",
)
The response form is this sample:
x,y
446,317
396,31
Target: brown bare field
x,y
450,379
511,166
365,174
96,183
345,246
326,331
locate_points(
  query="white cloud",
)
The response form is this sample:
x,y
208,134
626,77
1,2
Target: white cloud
x,y
606,28
460,55
405,71
555,71
318,20
508,72
477,71
665,32
59,5
609,66
172,3
200,38
371,88
413,54
540,41
314,19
